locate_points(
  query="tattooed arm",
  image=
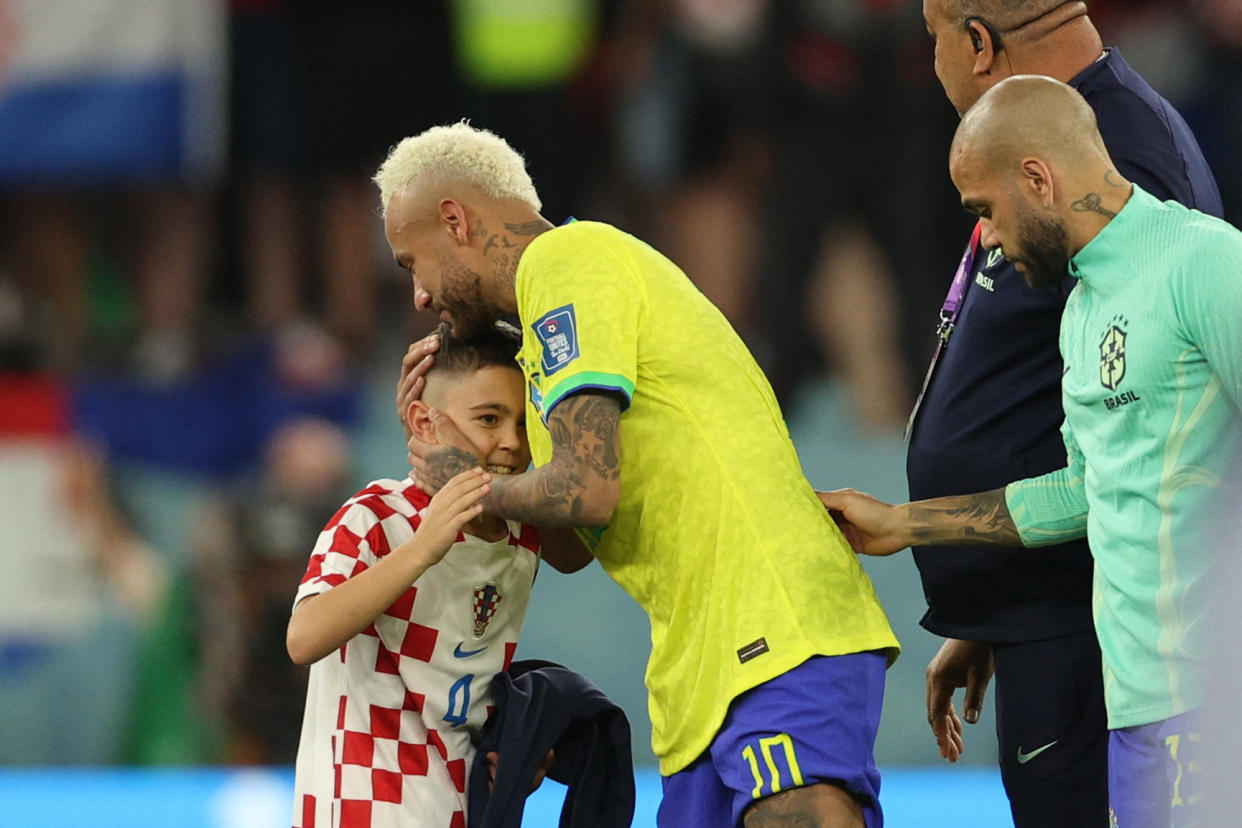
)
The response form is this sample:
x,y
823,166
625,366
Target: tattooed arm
x,y
876,528
580,486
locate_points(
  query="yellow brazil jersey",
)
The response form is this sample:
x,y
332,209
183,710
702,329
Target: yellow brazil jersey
x,y
718,535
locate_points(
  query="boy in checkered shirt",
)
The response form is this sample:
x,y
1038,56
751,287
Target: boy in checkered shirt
x,y
410,605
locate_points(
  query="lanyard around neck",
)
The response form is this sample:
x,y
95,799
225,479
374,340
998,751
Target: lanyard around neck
x,y
949,312
952,306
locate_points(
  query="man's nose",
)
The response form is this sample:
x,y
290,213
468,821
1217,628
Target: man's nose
x,y
422,299
510,437
988,237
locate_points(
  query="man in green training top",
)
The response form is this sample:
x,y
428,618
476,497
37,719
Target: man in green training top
x,y
1152,344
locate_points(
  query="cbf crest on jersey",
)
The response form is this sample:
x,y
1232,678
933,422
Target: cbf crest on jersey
x,y
1113,355
558,334
486,599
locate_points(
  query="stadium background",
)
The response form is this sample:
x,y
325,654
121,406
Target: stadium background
x,y
200,326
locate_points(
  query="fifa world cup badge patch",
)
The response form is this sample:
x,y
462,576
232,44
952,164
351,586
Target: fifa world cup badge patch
x,y
558,334
486,599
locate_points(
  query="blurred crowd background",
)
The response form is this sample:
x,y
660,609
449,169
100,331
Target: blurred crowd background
x,y
201,325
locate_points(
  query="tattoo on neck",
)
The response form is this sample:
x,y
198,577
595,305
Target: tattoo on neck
x,y
504,270
1114,179
527,228
1092,203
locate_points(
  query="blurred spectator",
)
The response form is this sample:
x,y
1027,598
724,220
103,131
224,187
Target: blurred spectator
x,y
836,227
110,145
1192,55
320,90
80,587
1218,113
264,141
251,543
691,138
769,146
525,72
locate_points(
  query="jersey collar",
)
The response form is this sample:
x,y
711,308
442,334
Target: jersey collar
x,y
1100,255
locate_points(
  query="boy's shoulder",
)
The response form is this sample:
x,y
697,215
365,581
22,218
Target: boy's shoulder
x,y
386,496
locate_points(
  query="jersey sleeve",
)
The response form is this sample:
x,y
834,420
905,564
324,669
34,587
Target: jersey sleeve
x,y
351,543
1051,508
581,302
1208,306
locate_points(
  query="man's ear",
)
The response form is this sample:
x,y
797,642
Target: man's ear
x,y
985,42
421,425
453,219
1037,177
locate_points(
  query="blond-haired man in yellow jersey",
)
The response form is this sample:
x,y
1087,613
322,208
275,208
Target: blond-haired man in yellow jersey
x,y
652,428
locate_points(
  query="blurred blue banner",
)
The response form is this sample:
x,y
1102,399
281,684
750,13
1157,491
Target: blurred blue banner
x,y
93,91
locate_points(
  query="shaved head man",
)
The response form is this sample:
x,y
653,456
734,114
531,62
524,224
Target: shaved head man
x,y
990,410
1039,192
1152,389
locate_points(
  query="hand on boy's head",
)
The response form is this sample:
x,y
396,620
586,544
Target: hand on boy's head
x,y
414,367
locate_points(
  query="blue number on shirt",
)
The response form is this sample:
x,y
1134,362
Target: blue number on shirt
x,y
460,691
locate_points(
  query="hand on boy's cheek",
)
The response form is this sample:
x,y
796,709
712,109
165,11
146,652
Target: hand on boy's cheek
x,y
433,463
447,433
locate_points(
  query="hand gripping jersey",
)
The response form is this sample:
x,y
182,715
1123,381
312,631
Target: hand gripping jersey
x,y
387,739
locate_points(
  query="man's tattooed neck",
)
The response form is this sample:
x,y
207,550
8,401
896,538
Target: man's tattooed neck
x,y
1092,203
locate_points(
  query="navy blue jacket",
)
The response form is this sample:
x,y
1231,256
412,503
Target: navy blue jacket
x,y
992,413
541,705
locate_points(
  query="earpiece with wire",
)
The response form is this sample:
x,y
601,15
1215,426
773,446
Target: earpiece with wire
x,y
977,41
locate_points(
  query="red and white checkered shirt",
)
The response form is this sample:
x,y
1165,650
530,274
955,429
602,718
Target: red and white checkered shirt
x,y
390,717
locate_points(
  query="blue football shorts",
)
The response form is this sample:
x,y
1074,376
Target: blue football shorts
x,y
815,723
1155,773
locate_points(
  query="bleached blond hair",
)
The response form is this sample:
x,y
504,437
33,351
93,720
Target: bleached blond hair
x,y
459,151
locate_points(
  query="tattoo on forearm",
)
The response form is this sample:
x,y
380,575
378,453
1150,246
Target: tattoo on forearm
x,y
445,463
586,450
1092,203
972,519
595,420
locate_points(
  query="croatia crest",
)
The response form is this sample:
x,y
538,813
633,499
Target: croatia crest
x,y
1113,357
486,598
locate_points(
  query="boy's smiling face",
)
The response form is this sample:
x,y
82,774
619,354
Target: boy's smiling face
x,y
488,406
